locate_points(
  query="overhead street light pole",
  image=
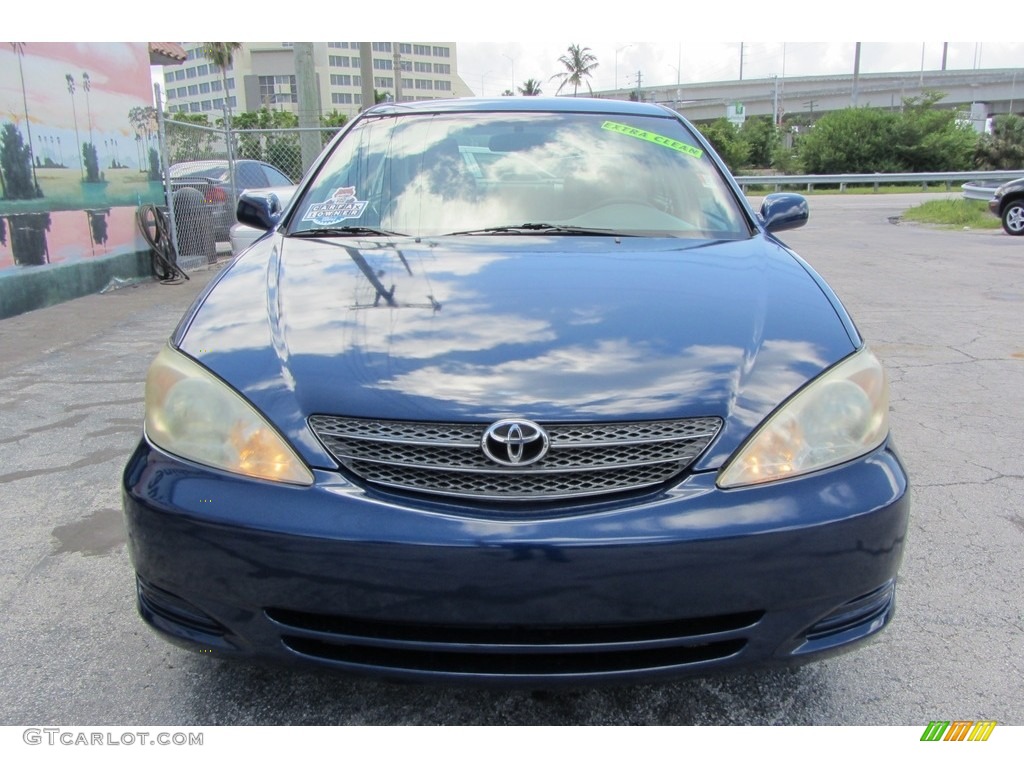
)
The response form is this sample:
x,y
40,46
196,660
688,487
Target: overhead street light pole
x,y
628,45
513,61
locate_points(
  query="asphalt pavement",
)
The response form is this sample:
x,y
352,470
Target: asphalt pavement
x,y
943,309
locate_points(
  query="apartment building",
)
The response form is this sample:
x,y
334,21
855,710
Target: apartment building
x,y
263,75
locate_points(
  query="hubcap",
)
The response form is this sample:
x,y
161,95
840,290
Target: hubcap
x,y
1015,218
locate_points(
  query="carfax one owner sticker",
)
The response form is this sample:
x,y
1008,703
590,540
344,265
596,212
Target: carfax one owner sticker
x,y
342,205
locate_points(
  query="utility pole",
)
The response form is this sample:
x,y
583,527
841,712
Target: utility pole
x,y
775,103
856,74
398,72
309,103
639,89
945,50
782,105
741,61
366,75
811,105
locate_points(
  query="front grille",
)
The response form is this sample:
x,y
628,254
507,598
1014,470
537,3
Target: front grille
x,y
583,459
512,651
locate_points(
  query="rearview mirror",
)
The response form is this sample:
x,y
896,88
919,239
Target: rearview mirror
x,y
261,210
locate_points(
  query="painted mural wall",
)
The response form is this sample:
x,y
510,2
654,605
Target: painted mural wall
x,y
78,150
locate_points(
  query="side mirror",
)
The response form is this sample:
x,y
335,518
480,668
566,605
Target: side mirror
x,y
784,210
260,210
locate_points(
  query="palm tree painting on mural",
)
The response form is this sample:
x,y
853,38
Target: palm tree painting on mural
x,y
78,142
19,50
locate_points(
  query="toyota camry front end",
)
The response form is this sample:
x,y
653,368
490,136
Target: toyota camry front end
x,y
518,392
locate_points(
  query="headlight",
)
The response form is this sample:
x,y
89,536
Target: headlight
x,y
193,414
841,415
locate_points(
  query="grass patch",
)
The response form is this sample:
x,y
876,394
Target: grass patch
x,y
884,189
954,213
64,190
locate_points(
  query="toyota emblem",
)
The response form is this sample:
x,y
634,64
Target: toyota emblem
x,y
515,442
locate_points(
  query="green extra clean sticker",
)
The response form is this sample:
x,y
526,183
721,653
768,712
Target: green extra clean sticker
x,y
654,138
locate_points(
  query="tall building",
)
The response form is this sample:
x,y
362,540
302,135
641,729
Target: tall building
x,y
263,75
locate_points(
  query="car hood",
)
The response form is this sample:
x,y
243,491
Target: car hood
x,y
474,329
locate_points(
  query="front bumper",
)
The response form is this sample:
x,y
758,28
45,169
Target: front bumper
x,y
680,582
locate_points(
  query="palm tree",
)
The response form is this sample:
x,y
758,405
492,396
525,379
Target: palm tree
x,y
78,142
579,65
87,87
530,88
223,55
19,49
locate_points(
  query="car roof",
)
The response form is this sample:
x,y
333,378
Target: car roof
x,y
566,104
198,167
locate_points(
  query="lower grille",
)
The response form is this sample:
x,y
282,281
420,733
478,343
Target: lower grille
x,y
583,459
513,650
512,665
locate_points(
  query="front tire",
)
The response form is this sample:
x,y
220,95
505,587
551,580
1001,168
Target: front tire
x,y
1013,218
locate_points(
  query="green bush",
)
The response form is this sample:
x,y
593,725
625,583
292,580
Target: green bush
x,y
92,163
763,138
855,140
16,166
1003,149
726,139
929,139
865,140
155,174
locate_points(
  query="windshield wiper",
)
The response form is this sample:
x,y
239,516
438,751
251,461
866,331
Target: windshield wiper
x,y
350,231
543,229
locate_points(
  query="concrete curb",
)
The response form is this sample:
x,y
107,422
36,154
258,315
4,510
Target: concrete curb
x,y
23,289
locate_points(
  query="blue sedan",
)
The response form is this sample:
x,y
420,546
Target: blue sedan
x,y
517,392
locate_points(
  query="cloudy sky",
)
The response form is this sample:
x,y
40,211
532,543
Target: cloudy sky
x,y
490,68
797,37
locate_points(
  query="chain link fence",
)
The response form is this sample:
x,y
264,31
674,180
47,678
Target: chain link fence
x,y
206,169
282,148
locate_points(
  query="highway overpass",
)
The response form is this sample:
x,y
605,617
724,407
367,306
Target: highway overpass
x,y
1000,90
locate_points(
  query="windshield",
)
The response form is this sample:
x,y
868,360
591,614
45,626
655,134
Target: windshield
x,y
432,175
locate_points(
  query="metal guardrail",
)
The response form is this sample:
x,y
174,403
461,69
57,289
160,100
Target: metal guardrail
x,y
876,179
980,191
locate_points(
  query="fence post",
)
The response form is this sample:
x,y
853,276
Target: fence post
x,y
229,140
165,161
